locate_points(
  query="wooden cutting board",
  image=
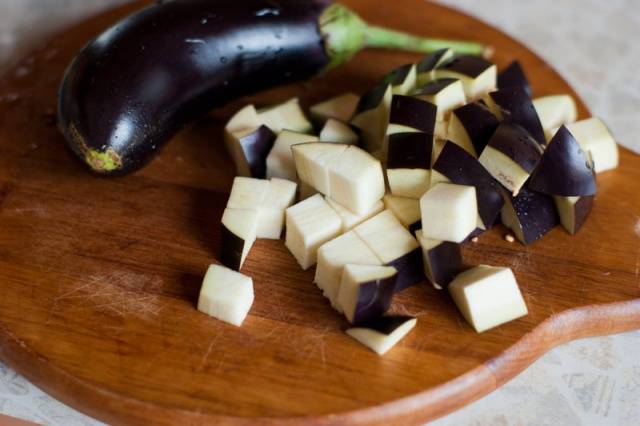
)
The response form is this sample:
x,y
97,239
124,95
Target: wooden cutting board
x,y
99,277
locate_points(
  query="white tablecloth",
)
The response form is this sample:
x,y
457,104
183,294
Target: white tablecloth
x,y
594,44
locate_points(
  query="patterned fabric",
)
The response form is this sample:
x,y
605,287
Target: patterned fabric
x,y
593,43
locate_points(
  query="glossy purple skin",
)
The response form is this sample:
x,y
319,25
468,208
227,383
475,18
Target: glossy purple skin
x,y
536,213
431,61
256,147
462,168
471,66
232,247
445,261
517,108
133,87
516,143
372,99
436,86
413,113
410,269
374,299
387,324
581,210
398,76
410,151
479,123
514,76
564,169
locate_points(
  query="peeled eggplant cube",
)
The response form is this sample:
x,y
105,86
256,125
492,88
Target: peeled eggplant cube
x,y
286,116
573,211
455,165
247,193
410,114
310,224
442,260
446,94
409,163
239,232
226,295
366,292
595,138
339,108
426,67
555,111
471,127
530,215
338,131
349,219
395,246
280,162
402,79
516,107
356,180
564,169
280,195
449,212
514,76
478,75
511,156
246,118
332,258
487,297
249,149
383,333
371,117
406,210
312,161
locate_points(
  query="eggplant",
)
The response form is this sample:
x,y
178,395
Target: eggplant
x,y
134,86
445,93
279,197
279,161
427,66
383,333
442,260
226,295
249,150
366,292
573,211
409,114
488,296
595,138
239,232
461,168
406,210
409,163
312,161
516,107
555,111
514,76
339,108
564,169
338,131
350,219
471,126
402,80
449,212
478,75
530,215
371,117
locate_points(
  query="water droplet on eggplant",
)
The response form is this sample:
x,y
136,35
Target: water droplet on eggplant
x,y
223,59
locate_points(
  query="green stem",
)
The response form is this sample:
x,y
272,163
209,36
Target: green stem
x,y
390,39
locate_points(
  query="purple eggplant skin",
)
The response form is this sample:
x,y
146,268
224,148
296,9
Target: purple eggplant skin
x,y
471,66
410,151
462,168
516,143
582,210
387,324
256,147
232,248
514,76
564,169
433,60
536,213
413,113
517,108
374,299
435,87
479,123
398,76
410,269
445,262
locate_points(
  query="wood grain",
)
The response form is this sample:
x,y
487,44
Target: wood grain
x,y
99,277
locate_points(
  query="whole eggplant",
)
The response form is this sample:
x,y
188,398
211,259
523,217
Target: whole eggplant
x,y
134,86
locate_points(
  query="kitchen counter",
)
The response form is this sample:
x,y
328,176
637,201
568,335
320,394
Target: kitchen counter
x,y
593,43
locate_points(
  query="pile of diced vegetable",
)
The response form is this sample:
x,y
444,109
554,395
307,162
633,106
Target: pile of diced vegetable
x,y
394,181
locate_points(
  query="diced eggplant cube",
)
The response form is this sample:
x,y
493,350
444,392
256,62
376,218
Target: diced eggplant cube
x,y
488,296
384,333
409,163
449,212
442,260
402,79
514,76
406,210
446,94
239,231
332,258
371,117
338,131
530,215
310,224
280,162
511,156
555,111
478,75
312,162
472,126
516,107
280,196
349,219
411,183
248,193
427,66
356,180
455,165
395,246
286,116
244,119
564,169
573,211
226,295
409,114
339,108
249,149
595,138
366,292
